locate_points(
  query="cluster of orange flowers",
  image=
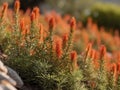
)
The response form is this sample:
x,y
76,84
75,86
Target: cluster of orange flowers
x,y
62,27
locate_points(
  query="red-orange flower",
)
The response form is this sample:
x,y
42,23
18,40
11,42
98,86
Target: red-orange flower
x,y
73,57
17,6
73,24
4,9
92,54
58,47
102,51
88,49
65,39
52,23
32,17
22,24
36,11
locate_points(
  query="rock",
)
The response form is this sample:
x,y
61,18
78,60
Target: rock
x,y
9,79
3,68
4,85
5,77
13,74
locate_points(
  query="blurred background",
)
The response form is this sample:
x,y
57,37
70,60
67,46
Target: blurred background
x,y
104,12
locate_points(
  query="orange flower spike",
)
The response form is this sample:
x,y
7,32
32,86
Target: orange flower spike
x,y
65,39
17,6
25,32
5,6
73,57
102,51
73,24
89,46
32,17
88,49
22,24
95,59
36,11
58,48
4,9
52,23
95,56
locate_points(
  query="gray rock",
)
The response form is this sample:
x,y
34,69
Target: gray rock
x,y
13,74
3,68
4,85
5,77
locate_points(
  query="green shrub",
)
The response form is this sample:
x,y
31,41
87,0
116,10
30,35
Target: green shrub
x,y
107,15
